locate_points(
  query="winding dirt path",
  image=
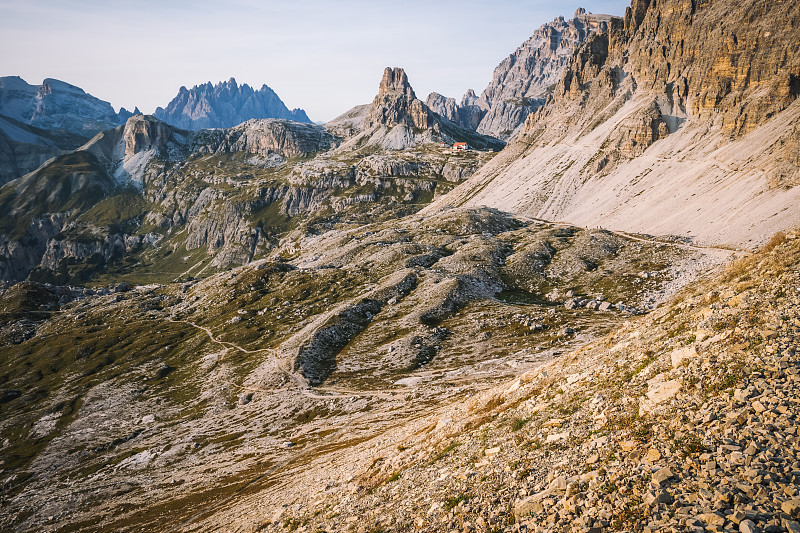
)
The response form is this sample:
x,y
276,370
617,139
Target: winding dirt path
x,y
320,393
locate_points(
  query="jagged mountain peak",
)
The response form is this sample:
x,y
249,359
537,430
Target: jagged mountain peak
x,y
56,105
521,82
397,119
396,103
469,97
395,80
225,105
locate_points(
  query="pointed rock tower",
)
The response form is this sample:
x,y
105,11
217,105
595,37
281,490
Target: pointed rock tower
x,y
396,119
396,104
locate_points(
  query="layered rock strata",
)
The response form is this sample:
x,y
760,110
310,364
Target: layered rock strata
x,y
522,82
678,120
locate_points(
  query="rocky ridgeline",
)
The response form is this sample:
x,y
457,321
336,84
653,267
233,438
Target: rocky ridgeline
x,y
522,82
56,105
397,119
717,85
685,420
225,105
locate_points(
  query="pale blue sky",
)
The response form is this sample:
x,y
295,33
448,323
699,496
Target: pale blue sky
x,y
323,56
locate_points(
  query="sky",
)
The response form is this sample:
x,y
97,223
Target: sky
x,y
322,56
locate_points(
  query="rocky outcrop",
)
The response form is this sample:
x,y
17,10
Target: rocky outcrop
x,y
677,120
467,115
397,119
225,105
143,134
470,112
266,137
443,106
316,358
24,148
56,105
522,82
396,104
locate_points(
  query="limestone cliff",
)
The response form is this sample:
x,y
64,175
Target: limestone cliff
x,y
57,105
397,119
396,104
680,119
225,105
521,82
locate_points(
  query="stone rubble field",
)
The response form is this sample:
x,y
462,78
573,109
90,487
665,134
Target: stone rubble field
x,y
683,420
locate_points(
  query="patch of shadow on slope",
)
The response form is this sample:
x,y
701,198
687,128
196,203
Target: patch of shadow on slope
x,y
316,358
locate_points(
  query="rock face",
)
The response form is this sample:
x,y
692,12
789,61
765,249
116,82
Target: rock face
x,y
397,119
396,104
467,115
56,105
143,133
23,148
521,82
685,127
282,137
443,106
225,105
229,193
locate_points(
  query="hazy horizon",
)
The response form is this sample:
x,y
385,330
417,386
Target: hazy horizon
x,y
322,58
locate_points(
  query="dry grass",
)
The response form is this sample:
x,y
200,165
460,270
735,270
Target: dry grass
x,y
776,240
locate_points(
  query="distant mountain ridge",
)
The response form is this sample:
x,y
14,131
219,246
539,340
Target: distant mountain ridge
x,y
522,82
57,105
24,148
669,123
225,105
396,119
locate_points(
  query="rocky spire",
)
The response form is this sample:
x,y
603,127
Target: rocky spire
x,y
395,81
225,105
396,103
522,82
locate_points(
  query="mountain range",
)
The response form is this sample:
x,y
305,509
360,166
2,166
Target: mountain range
x,y
41,122
395,322
699,145
128,188
523,81
56,105
225,105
